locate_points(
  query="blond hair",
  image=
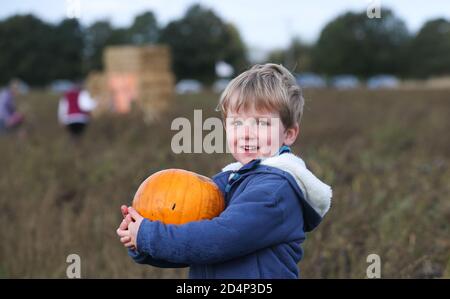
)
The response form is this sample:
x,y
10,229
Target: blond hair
x,y
266,87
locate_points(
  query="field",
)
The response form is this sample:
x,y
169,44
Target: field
x,y
385,153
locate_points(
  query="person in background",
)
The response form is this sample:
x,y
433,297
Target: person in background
x,y
10,118
74,110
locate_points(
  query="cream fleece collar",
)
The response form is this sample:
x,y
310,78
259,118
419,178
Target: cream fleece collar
x,y
317,193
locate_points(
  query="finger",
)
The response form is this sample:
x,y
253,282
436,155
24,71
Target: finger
x,y
134,214
124,210
128,219
123,233
125,239
123,225
129,244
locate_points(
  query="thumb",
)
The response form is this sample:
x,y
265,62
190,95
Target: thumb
x,y
124,210
134,214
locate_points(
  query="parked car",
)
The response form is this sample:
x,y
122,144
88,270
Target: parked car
x,y
188,86
382,81
310,80
61,86
345,82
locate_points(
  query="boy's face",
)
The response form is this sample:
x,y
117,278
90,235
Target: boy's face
x,y
252,134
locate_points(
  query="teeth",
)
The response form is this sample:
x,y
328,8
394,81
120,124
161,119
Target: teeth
x,y
250,147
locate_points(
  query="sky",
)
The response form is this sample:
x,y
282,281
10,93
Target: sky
x,y
263,24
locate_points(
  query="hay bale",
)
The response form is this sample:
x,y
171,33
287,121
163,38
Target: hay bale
x,y
123,87
96,84
121,59
141,74
154,102
153,109
153,59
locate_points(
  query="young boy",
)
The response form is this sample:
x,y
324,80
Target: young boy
x,y
272,199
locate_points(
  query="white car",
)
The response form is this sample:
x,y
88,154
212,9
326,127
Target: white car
x,y
345,82
188,86
61,86
310,80
382,81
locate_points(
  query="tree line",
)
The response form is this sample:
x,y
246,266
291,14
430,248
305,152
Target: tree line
x,y
39,52
355,44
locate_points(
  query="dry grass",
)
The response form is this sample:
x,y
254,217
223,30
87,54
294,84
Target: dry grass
x,y
386,154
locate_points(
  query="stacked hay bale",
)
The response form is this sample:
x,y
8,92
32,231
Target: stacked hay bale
x,y
96,83
139,76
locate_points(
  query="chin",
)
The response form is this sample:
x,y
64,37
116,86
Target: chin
x,y
246,159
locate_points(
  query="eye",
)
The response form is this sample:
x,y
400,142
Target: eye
x,y
263,122
236,123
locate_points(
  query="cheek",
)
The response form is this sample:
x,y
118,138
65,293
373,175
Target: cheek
x,y
235,133
265,137
268,135
231,136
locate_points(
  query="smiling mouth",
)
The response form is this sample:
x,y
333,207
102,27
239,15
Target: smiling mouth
x,y
250,148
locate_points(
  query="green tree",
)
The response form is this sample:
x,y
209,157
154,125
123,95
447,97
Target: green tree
x,y
68,45
354,43
26,50
144,30
198,40
96,39
430,49
101,34
235,52
297,57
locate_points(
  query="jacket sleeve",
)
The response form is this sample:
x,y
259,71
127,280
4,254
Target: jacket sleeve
x,y
144,258
254,220
86,102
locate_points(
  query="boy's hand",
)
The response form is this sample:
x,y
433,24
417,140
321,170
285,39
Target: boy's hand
x,y
123,231
125,214
133,226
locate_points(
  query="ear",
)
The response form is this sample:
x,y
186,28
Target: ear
x,y
291,134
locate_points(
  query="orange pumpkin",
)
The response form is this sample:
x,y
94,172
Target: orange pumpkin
x,y
176,196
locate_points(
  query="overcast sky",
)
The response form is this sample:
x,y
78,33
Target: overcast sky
x,y
264,24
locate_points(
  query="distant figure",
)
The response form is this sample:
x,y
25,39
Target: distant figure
x,y
74,110
10,118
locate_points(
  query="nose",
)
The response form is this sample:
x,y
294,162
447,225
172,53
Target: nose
x,y
250,131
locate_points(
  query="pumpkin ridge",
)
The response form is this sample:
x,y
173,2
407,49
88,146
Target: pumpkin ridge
x,y
180,216
166,199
